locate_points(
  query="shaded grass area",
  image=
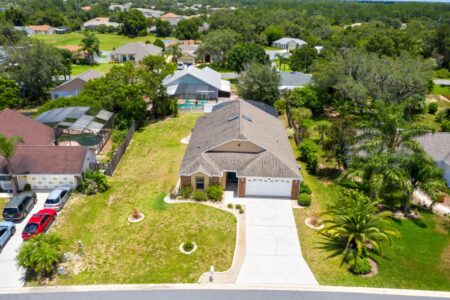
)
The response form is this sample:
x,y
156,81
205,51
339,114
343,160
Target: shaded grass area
x,y
429,120
441,90
420,259
116,251
103,68
108,41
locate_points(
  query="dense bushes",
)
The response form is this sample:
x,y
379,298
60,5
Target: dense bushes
x,y
304,199
214,192
360,266
94,182
308,149
200,196
446,126
186,192
433,108
304,188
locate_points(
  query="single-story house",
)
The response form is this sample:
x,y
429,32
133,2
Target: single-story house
x,y
289,43
243,148
94,23
437,145
189,55
293,80
40,29
172,18
151,13
135,52
75,85
443,82
62,30
121,7
38,161
195,83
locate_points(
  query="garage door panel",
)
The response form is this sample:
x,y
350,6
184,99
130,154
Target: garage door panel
x,y
50,181
265,186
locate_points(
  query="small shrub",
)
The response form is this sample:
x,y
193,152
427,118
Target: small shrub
x,y
27,187
241,211
118,136
136,214
442,73
230,206
433,108
446,126
186,192
315,221
304,188
94,182
238,206
214,192
304,200
360,266
308,149
200,196
188,246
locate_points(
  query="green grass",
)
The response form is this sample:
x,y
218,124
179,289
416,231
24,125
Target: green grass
x,y
108,41
441,90
420,259
284,66
147,252
429,120
271,48
103,68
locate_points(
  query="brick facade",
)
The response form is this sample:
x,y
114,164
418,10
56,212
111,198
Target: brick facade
x,y
185,180
241,188
294,189
214,180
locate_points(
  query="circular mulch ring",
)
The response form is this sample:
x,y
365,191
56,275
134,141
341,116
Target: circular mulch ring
x,y
132,219
181,248
308,223
373,271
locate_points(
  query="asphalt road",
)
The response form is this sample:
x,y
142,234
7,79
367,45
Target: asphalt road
x,y
196,293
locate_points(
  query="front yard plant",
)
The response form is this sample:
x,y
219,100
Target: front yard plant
x,y
94,182
304,200
214,192
186,192
360,266
200,196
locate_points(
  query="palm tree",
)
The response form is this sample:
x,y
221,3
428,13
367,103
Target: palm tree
x,y
354,228
40,254
175,51
7,149
91,45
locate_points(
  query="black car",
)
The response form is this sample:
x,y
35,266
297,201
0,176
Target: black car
x,y
19,206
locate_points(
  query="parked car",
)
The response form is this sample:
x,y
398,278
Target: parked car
x,y
180,66
39,223
7,230
58,198
19,206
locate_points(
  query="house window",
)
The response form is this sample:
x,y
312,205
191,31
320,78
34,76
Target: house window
x,y
132,58
200,183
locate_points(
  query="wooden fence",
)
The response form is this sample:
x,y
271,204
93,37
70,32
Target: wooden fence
x,y
109,167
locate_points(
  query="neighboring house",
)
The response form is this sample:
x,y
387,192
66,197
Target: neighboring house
x,y
37,161
189,55
172,18
134,52
94,23
243,148
288,43
442,82
194,83
293,80
121,7
86,8
204,27
75,85
40,29
437,145
151,13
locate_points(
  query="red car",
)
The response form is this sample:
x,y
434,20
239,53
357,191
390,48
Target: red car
x,y
38,223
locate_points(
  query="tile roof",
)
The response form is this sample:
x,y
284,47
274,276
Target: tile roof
x,y
39,27
13,123
46,160
240,121
139,49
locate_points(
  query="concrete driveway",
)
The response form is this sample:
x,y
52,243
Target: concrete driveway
x,y
10,275
273,254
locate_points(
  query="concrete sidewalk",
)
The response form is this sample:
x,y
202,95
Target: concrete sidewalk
x,y
273,254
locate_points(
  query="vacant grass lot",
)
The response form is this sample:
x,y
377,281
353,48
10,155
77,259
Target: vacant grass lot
x,y
108,41
420,259
119,252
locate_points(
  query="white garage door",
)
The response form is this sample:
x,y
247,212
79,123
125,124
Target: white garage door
x,y
51,181
269,187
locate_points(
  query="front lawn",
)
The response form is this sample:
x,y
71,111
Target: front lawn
x,y
116,251
420,259
108,41
102,68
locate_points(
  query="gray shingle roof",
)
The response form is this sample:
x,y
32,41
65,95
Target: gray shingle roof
x,y
86,76
138,49
295,79
286,40
207,75
437,145
240,121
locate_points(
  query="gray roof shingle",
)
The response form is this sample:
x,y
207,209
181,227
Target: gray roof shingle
x,y
240,121
437,145
138,49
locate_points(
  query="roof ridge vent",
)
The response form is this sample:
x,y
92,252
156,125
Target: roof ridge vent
x,y
245,117
233,117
